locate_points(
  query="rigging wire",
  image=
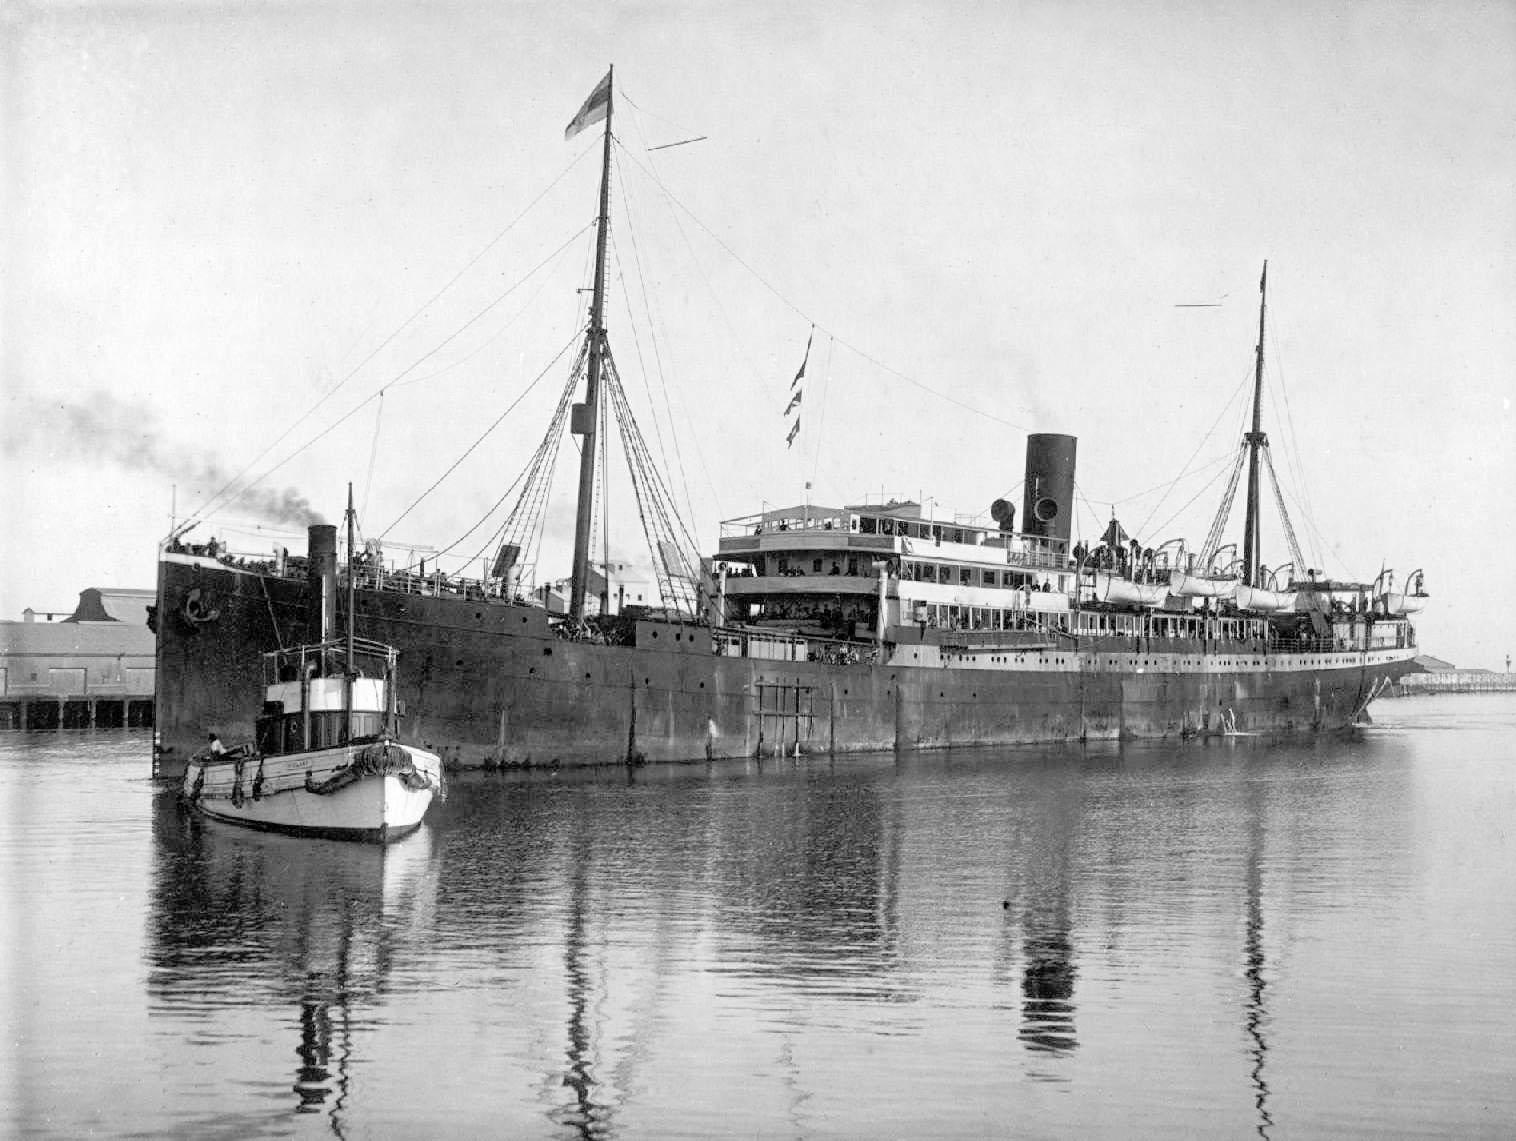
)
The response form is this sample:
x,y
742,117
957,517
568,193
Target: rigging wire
x,y
1214,461
1284,515
819,325
396,379
1294,452
521,522
695,435
481,438
1142,528
205,508
732,332
373,451
657,358
621,91
661,522
488,341
826,387
1224,510
1090,507
1167,523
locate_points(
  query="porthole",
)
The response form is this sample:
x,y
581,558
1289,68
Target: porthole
x,y
547,651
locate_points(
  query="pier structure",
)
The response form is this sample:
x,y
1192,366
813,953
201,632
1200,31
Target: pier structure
x,y
93,669
1454,681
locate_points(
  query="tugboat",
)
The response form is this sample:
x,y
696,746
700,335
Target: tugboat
x,y
326,761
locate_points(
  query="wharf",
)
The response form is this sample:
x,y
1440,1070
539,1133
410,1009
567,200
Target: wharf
x,y
94,669
1453,681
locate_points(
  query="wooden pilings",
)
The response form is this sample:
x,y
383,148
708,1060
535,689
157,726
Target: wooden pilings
x,y
56,712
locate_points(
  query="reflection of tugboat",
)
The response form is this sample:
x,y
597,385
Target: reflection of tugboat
x,y
310,930
326,761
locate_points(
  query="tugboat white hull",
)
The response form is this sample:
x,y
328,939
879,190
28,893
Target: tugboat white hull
x,y
376,792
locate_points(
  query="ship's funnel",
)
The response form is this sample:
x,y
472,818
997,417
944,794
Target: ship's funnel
x,y
321,597
1048,505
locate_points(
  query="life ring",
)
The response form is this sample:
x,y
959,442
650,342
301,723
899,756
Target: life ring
x,y
197,608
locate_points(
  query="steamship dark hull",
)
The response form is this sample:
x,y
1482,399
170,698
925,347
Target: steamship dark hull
x,y
486,683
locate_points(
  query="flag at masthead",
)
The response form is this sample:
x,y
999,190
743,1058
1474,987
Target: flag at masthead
x,y
596,107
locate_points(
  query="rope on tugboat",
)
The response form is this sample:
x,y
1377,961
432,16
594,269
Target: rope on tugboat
x,y
381,759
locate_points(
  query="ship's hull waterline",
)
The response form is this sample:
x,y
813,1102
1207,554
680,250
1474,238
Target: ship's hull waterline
x,y
488,684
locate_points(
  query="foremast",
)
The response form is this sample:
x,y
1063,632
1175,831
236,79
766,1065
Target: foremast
x,y
586,416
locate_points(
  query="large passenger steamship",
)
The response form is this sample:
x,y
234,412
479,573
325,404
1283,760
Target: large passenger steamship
x,y
811,628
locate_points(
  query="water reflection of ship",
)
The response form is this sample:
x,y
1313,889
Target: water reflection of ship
x,y
809,883
1255,1020
1047,942
242,918
587,1116
803,882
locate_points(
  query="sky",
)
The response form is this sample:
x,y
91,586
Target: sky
x,y
314,244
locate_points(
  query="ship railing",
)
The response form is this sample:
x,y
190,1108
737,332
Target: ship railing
x,y
1039,560
751,642
434,584
1308,644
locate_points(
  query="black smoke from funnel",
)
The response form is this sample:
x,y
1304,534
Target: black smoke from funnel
x,y
99,427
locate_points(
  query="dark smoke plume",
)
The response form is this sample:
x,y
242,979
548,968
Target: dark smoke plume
x,y
101,428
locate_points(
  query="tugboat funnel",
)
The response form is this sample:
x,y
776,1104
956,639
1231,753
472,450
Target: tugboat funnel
x,y
321,609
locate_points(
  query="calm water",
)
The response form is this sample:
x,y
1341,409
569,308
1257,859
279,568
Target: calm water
x,y
1219,940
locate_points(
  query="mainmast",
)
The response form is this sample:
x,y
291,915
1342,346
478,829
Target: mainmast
x,y
1255,439
586,416
348,672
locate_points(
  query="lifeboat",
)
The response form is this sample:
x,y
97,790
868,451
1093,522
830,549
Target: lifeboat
x,y
1124,592
1202,585
1401,604
1262,601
